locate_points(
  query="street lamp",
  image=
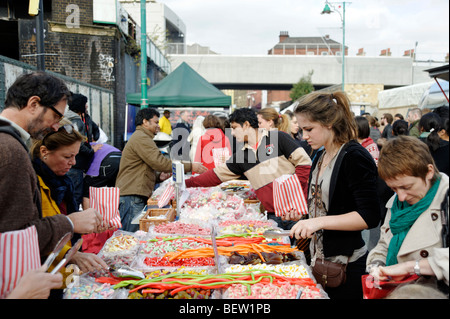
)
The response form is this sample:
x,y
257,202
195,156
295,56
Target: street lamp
x,y
144,99
327,10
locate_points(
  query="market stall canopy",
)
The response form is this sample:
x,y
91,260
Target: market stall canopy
x,y
440,72
183,87
435,96
406,96
290,108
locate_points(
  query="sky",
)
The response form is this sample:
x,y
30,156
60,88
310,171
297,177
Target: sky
x,y
252,27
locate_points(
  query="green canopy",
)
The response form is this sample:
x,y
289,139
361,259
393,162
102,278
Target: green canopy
x,y
183,87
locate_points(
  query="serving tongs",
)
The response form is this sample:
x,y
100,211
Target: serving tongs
x,y
126,272
59,246
272,233
72,251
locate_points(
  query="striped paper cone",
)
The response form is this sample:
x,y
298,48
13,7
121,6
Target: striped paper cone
x,y
288,195
220,156
19,253
106,201
166,196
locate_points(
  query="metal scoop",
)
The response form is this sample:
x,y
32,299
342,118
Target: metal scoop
x,y
275,233
59,246
126,272
68,256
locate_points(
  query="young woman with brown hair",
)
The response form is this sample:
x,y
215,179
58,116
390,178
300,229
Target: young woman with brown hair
x,y
342,196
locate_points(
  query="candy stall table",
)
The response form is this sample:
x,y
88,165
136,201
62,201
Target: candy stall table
x,y
214,249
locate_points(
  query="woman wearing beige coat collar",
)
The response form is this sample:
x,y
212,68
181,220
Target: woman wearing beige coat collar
x,y
411,236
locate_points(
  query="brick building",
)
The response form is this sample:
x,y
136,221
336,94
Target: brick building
x,y
300,46
306,46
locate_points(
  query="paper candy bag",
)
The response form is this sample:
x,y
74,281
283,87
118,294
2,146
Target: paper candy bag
x,y
288,195
166,196
106,201
220,156
19,253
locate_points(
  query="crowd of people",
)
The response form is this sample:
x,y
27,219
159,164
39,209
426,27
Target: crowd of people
x,y
377,192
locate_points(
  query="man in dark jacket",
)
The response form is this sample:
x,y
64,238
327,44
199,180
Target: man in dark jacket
x,y
77,114
180,146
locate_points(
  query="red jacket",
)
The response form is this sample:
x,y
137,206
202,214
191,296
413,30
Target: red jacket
x,y
213,141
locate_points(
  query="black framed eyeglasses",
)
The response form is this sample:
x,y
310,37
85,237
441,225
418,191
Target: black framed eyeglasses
x,y
57,112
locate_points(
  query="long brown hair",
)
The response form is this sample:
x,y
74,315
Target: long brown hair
x,y
330,109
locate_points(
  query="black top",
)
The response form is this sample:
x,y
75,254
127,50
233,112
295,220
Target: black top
x,y
353,187
441,157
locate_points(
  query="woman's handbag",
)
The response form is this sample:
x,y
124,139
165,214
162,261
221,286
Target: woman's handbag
x,y
329,274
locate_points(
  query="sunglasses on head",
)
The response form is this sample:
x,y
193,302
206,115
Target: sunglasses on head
x,y
67,127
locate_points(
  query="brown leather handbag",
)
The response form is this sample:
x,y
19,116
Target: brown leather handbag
x,y
328,273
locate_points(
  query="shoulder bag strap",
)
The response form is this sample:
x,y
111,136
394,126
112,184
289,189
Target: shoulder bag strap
x,y
444,218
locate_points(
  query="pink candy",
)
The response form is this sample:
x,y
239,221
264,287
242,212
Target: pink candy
x,y
181,228
264,291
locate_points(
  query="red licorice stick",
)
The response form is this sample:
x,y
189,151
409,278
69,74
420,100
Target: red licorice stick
x,y
152,291
174,291
109,280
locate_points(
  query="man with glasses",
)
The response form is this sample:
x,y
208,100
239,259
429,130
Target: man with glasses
x,y
34,105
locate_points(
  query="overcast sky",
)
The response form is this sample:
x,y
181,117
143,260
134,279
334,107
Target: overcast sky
x,y
252,27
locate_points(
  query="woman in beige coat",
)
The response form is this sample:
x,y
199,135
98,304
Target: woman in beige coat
x,y
411,238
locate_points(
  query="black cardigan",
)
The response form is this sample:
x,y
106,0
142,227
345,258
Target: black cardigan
x,y
353,187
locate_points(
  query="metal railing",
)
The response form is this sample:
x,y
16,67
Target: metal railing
x,y
100,100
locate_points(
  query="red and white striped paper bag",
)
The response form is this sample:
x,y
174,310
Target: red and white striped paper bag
x,y
220,156
166,196
288,195
19,253
106,201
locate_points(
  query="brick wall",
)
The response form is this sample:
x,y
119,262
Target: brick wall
x,y
274,96
59,8
83,57
88,58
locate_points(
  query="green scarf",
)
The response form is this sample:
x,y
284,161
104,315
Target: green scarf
x,y
403,216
